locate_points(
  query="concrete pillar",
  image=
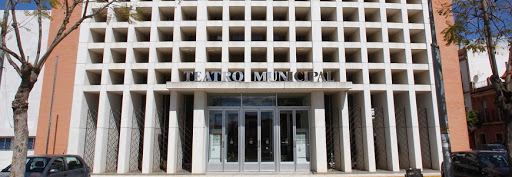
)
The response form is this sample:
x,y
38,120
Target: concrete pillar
x,y
173,140
344,129
368,143
100,152
413,133
199,128
390,124
318,141
123,164
149,133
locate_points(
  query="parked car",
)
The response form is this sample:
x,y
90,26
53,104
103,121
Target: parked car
x,y
490,147
53,166
479,164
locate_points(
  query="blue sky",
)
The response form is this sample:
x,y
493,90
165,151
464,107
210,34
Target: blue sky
x,y
21,6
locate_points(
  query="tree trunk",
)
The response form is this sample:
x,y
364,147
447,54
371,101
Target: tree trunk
x,y
20,114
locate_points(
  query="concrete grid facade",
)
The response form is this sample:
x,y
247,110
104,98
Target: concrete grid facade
x,y
130,78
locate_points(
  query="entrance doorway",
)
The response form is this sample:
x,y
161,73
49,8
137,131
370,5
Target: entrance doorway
x,y
258,138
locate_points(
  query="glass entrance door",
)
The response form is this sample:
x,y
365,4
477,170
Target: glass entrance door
x,y
294,140
259,149
223,154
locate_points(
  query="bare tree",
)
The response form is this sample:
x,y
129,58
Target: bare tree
x,y
478,26
29,70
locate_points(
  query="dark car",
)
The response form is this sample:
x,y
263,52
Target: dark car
x,y
53,166
480,164
490,147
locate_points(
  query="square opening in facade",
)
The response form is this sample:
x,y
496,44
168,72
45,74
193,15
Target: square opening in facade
x,y
188,54
394,15
372,14
302,14
236,13
140,76
377,76
330,54
329,34
143,13
373,35
392,1
258,33
188,33
417,35
166,13
258,54
96,55
214,33
214,13
236,34
143,34
97,35
213,54
163,76
118,55
397,55
100,16
332,74
422,77
280,13
120,34
189,13
350,14
281,54
353,55
328,13
258,13
141,55
120,14
303,34
351,35
93,77
354,75
164,55
165,34
419,56
116,76
413,1
304,54
396,35
375,55
415,16
281,34
399,76
236,54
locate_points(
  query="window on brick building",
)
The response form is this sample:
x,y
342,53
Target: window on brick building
x,y
499,136
482,139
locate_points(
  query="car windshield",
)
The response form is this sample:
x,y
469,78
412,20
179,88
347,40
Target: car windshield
x,y
493,160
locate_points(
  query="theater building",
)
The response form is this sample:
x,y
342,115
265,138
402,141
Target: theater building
x,y
253,86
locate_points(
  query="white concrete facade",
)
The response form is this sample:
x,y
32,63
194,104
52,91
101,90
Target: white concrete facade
x,y
11,80
377,112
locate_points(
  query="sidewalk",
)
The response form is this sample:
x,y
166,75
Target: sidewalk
x,y
426,173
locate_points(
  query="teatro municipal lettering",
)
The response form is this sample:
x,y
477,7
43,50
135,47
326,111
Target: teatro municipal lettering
x,y
257,76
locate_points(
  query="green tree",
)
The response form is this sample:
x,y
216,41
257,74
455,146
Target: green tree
x,y
478,26
473,120
29,70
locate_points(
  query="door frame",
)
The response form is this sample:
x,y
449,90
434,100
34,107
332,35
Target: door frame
x,y
295,165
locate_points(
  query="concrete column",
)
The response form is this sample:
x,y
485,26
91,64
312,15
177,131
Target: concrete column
x,y
100,152
368,143
390,124
413,133
198,139
173,146
123,164
148,150
318,141
344,129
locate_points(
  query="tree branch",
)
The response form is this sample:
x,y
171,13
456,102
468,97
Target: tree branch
x,y
13,64
17,31
65,33
40,29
